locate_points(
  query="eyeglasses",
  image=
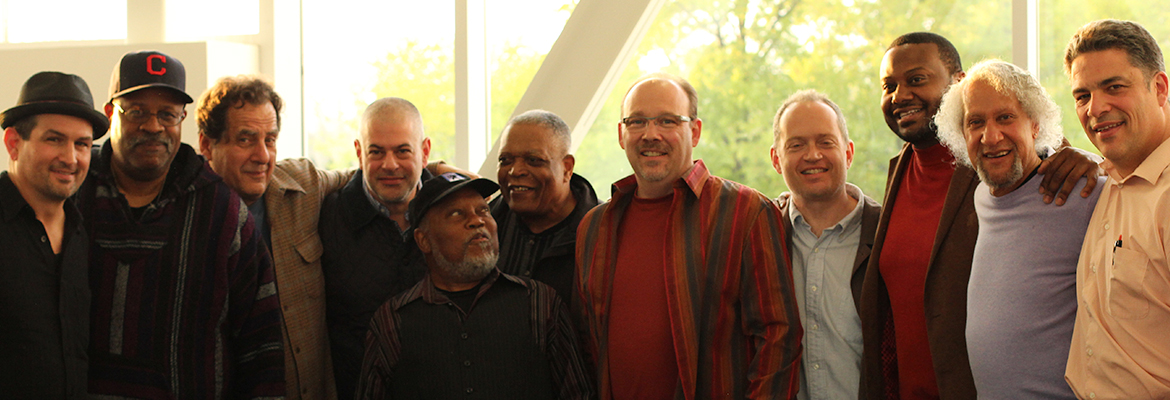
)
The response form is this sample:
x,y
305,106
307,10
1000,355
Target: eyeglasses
x,y
668,121
165,118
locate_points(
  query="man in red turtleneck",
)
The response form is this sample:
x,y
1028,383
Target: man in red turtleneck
x,y
913,302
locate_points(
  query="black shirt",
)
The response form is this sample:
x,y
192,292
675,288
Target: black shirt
x,y
44,303
549,256
368,259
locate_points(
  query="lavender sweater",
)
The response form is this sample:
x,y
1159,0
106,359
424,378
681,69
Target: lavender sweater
x,y
1021,299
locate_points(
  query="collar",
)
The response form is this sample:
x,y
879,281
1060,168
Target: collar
x,y
1150,169
851,219
283,182
694,180
426,291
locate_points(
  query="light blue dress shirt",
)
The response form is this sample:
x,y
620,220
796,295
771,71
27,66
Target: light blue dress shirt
x,y
822,268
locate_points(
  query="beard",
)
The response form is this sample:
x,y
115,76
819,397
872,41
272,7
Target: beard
x,y
1008,180
472,268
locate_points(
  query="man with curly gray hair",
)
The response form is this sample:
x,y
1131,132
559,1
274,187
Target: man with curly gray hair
x,y
979,150
1021,297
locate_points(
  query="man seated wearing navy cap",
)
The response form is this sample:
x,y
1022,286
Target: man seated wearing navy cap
x,y
184,297
44,291
467,328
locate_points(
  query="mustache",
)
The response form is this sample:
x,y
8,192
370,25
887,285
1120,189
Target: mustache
x,y
654,146
151,139
481,233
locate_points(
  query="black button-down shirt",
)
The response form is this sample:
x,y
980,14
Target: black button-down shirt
x,y
44,303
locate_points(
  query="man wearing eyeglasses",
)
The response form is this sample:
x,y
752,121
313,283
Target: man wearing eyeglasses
x,y
683,280
184,297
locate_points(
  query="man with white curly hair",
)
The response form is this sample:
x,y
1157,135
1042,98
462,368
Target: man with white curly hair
x,y
1021,298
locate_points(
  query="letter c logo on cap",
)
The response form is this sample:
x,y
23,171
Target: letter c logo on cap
x,y
150,64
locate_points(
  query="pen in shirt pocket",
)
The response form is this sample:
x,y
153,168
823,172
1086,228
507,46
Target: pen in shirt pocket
x,y
1116,245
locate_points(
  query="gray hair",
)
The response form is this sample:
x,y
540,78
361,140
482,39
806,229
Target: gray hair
x,y
1128,36
809,95
393,108
1007,79
546,119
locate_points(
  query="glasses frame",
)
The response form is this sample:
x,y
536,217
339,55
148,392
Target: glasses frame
x,y
148,115
653,120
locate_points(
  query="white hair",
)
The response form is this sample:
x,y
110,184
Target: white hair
x,y
1007,79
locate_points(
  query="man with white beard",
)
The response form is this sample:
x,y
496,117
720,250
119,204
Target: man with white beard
x,y
1021,297
466,328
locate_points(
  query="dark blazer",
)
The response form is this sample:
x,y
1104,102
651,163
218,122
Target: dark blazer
x,y
946,289
870,211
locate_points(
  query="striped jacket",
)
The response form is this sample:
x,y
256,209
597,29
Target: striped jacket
x,y
184,300
729,289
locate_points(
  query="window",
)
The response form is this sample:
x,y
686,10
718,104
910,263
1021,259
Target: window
x,y
26,21
743,71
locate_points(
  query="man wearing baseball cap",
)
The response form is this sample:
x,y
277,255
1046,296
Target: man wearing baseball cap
x,y
184,296
44,291
512,336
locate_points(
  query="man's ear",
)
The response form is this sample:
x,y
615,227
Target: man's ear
x,y
420,239
775,160
12,141
205,144
109,110
426,150
357,148
569,162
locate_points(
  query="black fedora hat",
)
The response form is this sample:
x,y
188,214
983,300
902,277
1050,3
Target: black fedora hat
x,y
56,93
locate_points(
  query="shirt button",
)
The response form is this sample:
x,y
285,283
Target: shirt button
x,y
469,390
527,273
1106,226
297,350
816,366
814,288
44,239
814,327
816,249
467,363
463,336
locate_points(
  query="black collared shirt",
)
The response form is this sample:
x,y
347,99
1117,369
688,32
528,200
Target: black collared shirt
x,y
44,303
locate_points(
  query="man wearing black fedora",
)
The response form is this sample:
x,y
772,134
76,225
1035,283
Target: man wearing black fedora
x,y
44,290
184,296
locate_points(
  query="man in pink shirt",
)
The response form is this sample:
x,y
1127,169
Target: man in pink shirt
x,y
1119,348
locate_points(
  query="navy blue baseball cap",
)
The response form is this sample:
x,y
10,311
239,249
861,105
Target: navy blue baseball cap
x,y
146,69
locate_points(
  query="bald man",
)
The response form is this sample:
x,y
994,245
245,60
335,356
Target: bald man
x,y
368,258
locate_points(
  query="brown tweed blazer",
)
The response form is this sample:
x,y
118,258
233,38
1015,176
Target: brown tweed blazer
x,y
293,199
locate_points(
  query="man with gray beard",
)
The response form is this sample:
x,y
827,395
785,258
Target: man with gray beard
x,y
1022,294
466,328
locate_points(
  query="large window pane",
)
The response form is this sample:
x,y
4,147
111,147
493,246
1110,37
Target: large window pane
x,y
358,51
1059,19
406,49
744,59
195,20
59,20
